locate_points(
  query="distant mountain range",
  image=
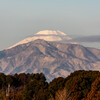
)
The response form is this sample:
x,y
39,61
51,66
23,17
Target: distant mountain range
x,y
53,58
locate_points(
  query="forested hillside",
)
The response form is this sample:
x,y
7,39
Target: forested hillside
x,y
80,85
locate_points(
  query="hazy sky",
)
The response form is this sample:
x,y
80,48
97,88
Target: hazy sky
x,y
21,18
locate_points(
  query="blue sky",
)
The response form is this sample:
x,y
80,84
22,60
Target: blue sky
x,y
21,18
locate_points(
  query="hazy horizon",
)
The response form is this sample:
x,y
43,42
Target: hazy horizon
x,y
21,18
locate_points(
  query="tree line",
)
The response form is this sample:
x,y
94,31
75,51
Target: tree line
x,y
79,85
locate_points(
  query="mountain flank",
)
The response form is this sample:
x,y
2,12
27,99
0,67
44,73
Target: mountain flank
x,y
54,59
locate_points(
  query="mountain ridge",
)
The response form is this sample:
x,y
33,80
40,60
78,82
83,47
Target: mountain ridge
x,y
54,59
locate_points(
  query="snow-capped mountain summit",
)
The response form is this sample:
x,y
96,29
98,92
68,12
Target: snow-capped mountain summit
x,y
46,35
48,32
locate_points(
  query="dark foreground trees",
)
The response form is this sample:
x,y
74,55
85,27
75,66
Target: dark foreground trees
x,y
80,85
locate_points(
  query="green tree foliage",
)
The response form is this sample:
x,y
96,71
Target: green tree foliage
x,y
2,94
83,80
79,85
2,80
34,88
94,94
55,85
9,79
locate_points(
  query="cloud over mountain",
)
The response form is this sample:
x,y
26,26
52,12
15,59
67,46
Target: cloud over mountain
x,y
95,38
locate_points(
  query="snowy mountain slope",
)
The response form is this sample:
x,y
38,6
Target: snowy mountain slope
x,y
54,59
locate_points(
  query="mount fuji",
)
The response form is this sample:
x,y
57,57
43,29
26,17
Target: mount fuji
x,y
46,35
45,52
